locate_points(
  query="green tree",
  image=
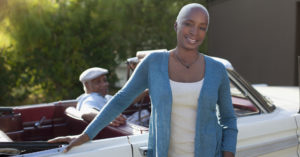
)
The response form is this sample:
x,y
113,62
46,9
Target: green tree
x,y
46,44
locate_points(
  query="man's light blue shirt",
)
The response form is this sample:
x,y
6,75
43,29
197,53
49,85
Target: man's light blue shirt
x,y
91,101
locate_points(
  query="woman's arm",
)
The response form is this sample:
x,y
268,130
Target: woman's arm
x,y
227,116
72,140
137,83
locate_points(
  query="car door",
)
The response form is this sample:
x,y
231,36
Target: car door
x,y
267,127
139,144
267,135
298,132
111,147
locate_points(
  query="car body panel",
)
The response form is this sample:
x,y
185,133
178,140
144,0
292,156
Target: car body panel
x,y
273,134
286,97
112,147
263,134
138,142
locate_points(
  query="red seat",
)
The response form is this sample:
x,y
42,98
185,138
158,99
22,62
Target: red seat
x,y
76,125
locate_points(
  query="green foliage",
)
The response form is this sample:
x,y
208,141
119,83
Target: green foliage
x,y
151,23
7,80
46,44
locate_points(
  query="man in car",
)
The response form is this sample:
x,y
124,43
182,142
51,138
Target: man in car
x,y
95,85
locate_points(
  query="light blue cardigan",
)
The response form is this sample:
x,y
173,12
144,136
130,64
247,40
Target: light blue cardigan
x,y
216,128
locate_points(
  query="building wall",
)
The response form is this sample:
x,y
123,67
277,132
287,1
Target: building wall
x,y
257,36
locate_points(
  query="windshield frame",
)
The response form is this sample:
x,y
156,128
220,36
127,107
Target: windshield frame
x,y
249,91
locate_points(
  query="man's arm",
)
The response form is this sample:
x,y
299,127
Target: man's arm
x,y
89,114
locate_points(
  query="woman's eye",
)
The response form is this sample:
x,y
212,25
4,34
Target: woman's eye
x,y
187,24
203,28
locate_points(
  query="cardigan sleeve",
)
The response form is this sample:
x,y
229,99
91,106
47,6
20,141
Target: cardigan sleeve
x,y
137,83
227,116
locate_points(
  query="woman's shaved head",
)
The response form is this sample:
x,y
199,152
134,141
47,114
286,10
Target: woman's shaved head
x,y
189,7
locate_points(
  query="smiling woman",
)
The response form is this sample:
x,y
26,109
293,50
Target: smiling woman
x,y
191,25
179,79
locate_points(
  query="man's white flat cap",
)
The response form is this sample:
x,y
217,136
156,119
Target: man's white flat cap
x,y
92,73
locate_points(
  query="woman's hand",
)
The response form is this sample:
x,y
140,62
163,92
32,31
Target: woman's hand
x,y
228,154
72,140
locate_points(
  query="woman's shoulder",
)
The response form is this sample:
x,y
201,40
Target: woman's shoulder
x,y
214,61
158,53
216,64
157,56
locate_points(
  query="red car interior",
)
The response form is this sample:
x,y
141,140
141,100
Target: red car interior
x,y
46,121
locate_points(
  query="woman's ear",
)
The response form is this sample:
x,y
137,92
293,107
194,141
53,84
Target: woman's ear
x,y
175,26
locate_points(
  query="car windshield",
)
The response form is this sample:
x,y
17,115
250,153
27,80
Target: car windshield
x,y
242,88
236,92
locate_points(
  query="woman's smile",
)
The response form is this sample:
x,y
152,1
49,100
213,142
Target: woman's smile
x,y
191,41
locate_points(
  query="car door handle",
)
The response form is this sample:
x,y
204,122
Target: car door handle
x,y
39,123
143,150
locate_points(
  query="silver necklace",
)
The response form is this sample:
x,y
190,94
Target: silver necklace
x,y
186,65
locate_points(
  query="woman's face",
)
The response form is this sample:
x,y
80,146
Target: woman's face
x,y
191,29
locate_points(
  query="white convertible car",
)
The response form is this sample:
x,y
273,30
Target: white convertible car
x,y
268,121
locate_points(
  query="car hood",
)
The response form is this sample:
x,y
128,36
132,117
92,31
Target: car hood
x,y
286,97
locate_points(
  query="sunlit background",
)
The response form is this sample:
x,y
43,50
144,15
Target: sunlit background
x,y
46,44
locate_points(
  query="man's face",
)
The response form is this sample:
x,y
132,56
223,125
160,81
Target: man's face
x,y
98,85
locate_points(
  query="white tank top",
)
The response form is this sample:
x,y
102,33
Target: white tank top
x,y
183,118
